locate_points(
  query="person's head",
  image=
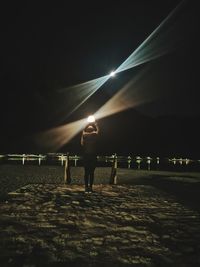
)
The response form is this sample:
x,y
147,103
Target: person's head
x,y
89,129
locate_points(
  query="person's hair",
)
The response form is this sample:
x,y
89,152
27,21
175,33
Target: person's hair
x,y
89,128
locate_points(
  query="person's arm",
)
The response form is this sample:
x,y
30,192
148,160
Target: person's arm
x,y
97,128
86,133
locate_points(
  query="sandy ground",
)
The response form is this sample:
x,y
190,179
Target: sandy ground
x,y
148,219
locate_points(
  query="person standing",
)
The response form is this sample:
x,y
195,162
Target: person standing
x,y
89,144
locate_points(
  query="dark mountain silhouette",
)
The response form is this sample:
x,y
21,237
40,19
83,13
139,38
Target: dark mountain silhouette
x,y
128,133
131,132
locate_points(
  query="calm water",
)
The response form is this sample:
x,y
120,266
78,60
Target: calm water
x,y
145,163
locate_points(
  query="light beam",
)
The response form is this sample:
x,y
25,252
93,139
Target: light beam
x,y
157,44
55,138
131,95
163,39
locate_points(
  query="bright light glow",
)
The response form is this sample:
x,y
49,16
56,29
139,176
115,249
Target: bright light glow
x,y
91,118
159,42
163,39
112,74
131,95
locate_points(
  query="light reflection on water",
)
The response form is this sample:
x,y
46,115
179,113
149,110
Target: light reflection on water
x,y
130,162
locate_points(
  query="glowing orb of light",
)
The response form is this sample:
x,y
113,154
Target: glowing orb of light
x,y
91,118
112,74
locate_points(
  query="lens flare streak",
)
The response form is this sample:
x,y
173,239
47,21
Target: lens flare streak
x,y
162,40
56,137
131,95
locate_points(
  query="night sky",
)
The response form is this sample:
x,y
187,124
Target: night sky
x,y
49,46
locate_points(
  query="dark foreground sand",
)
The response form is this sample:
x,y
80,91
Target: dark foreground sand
x,y
147,219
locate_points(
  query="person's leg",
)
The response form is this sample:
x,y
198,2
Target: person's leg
x,y
86,177
86,164
92,169
91,181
